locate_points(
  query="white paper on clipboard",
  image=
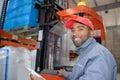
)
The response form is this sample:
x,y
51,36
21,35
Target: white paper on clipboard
x,y
34,73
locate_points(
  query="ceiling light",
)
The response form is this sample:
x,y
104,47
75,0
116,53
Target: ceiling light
x,y
81,3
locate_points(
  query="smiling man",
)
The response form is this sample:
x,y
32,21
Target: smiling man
x,y
80,33
94,62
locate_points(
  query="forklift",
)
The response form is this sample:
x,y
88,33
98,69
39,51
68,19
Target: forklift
x,y
53,39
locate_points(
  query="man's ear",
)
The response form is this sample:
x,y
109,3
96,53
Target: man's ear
x,y
91,33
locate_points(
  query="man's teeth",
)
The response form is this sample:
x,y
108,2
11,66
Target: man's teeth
x,y
76,39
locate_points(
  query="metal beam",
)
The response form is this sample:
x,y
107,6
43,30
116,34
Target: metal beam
x,y
108,6
74,1
95,3
114,26
3,13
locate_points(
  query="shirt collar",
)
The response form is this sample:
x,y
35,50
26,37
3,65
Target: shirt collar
x,y
85,44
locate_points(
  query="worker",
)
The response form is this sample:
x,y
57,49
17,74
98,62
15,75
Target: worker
x,y
95,62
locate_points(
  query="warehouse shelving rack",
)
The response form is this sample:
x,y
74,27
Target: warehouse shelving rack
x,y
7,39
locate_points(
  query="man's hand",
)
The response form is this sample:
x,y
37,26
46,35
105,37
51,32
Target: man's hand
x,y
60,72
33,77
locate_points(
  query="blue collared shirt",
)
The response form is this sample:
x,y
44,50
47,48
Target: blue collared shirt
x,y
94,62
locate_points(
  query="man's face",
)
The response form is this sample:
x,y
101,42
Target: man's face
x,y
80,33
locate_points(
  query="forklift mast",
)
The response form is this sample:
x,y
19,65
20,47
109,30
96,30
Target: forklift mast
x,y
3,13
46,21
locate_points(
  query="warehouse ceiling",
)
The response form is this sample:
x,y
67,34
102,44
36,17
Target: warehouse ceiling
x,y
108,9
